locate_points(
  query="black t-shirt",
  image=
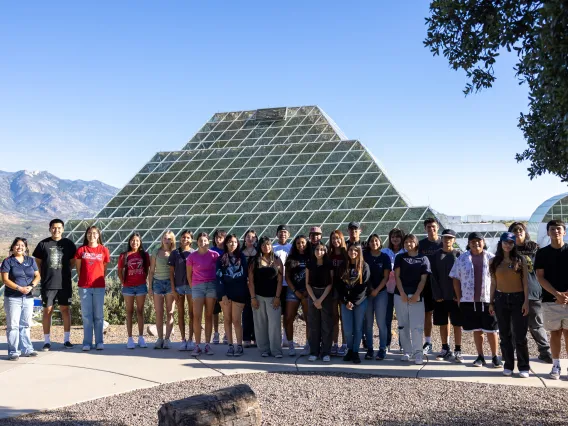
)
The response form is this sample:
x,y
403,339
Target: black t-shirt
x,y
441,265
529,251
55,267
378,265
429,248
554,262
320,275
296,268
411,271
265,280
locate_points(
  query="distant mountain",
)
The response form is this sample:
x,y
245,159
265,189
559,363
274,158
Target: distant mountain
x,y
41,195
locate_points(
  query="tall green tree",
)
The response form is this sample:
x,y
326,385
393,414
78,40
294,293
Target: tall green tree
x,y
471,33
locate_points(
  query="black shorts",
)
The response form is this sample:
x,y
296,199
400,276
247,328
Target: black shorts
x,y
476,317
427,297
62,297
217,308
445,309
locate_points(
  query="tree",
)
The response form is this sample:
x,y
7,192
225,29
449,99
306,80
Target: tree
x,y
470,34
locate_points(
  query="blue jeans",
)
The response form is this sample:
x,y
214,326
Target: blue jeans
x,y
377,309
18,318
92,302
353,324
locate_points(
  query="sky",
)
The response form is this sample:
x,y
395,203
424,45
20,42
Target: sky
x,y
93,90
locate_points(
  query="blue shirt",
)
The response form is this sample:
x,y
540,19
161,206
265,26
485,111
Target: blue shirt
x,y
21,274
178,259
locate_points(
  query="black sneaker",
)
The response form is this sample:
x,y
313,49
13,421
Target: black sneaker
x,y
369,354
46,347
479,361
496,362
355,358
68,345
348,356
427,348
546,358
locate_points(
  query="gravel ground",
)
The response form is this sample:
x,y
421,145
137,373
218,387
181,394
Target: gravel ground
x,y
332,399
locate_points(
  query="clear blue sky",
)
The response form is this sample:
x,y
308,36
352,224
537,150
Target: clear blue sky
x,y
93,91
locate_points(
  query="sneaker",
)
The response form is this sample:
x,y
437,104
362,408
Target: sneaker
x,y
239,351
496,362
342,351
31,354
215,338
524,374
326,358
458,357
419,359
130,343
246,344
100,346
449,356
167,344
278,356
405,357
142,342
159,344
442,355
369,354
555,372
231,351
479,361
86,348
68,345
546,358
14,357
291,349
312,358
381,355
225,340
348,356
190,345
207,349
265,354
182,346
196,351
46,347
355,358
427,348
334,350
507,372
306,350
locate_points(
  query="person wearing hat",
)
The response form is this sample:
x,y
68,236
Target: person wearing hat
x,y
281,250
510,302
444,295
472,284
354,230
314,236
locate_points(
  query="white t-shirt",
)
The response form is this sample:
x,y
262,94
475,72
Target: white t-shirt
x,y
281,251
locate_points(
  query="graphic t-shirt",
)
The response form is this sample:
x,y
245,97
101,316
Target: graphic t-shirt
x,y
21,274
429,248
378,265
203,267
232,278
336,262
177,259
411,270
93,259
55,259
554,262
281,251
297,271
529,252
136,273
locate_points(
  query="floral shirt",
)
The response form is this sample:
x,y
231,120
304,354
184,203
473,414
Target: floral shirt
x,y
463,271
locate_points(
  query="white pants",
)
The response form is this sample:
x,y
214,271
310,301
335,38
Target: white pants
x,y
410,317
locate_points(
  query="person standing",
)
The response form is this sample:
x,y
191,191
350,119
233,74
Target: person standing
x,y
551,264
445,305
249,249
528,249
472,284
427,247
20,275
218,239
411,271
319,285
91,261
337,254
510,302
281,250
354,231
314,236
265,286
55,258
181,289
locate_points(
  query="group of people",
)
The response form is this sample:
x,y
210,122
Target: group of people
x,y
344,287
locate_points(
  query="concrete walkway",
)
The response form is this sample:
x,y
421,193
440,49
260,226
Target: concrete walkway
x,y
63,377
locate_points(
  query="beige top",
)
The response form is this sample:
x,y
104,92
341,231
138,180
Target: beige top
x,y
507,280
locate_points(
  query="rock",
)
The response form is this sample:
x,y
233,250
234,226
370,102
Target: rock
x,y
236,405
153,331
105,326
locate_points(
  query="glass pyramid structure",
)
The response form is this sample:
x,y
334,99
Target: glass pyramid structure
x,y
255,170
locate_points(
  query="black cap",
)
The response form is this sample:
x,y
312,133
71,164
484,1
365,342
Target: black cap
x,y
449,233
281,228
353,225
475,236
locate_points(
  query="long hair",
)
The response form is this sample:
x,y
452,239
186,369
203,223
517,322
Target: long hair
x,y
345,268
330,248
16,241
244,245
172,245
396,232
529,244
367,248
140,250
258,257
516,260
99,239
217,233
226,258
325,255
295,253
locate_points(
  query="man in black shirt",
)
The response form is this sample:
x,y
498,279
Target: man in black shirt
x,y
354,230
551,265
55,260
427,247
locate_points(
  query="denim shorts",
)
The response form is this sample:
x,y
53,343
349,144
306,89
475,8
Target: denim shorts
x,y
184,290
161,287
291,296
137,290
204,290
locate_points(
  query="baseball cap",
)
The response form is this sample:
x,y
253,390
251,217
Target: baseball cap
x,y
354,225
449,233
475,236
315,230
508,236
281,228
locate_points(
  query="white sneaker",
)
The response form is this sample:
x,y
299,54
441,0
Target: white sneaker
x,y
405,357
159,344
142,342
167,344
419,359
100,346
86,348
183,346
312,358
555,372
207,350
215,338
524,374
190,345
507,372
130,344
326,358
306,350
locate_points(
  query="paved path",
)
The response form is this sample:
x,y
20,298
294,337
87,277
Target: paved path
x,y
63,377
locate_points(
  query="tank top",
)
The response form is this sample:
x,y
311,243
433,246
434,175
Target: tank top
x,y
507,279
265,280
162,270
